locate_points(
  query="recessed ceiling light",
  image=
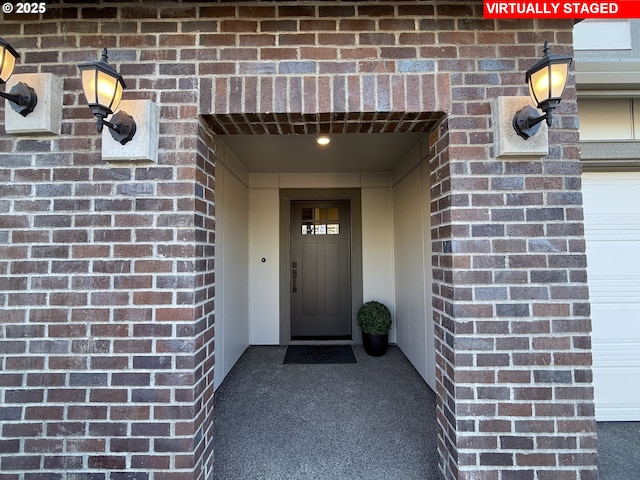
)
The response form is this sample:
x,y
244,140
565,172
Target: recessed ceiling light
x,y
323,140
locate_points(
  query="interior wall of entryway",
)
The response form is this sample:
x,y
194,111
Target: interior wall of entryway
x,y
412,254
231,260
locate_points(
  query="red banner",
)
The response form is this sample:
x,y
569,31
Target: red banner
x,y
561,9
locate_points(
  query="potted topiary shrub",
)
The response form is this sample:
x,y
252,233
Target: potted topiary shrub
x,y
374,319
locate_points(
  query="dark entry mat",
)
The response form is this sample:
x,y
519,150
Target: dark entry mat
x,y
319,354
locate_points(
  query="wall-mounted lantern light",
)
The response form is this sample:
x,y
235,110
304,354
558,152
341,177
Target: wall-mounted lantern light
x,y
103,88
546,81
22,97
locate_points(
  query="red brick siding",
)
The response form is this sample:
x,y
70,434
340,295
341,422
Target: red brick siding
x,y
109,349
510,295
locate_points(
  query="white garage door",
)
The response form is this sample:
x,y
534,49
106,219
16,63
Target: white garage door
x,y
612,229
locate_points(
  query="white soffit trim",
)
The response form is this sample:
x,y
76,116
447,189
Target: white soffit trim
x,y
630,93
599,74
599,35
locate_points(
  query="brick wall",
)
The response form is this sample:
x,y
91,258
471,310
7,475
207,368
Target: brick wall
x,y
515,394
107,269
107,275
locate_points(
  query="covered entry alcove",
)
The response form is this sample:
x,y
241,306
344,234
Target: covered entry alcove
x,y
378,163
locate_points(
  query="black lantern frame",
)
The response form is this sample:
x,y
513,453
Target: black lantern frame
x,y
22,97
546,81
103,87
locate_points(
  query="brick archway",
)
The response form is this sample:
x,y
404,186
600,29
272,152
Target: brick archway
x,y
334,122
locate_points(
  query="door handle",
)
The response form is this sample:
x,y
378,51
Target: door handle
x,y
294,276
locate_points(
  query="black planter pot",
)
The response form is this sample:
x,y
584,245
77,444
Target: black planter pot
x,y
375,345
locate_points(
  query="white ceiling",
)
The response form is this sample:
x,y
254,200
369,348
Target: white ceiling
x,y
347,152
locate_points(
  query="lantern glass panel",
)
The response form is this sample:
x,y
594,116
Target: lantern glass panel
x,y
559,73
539,85
89,85
109,91
7,63
102,89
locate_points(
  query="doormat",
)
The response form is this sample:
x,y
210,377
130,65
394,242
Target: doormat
x,y
319,354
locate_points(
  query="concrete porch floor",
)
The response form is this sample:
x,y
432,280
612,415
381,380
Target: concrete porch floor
x,y
371,420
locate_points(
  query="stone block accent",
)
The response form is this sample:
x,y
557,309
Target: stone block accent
x,y
507,141
144,144
47,114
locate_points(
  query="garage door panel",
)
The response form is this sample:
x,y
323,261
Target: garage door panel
x,y
607,187
612,231
614,289
627,230
613,260
616,321
616,362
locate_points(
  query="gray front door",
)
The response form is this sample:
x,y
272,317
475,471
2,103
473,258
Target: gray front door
x,y
320,269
